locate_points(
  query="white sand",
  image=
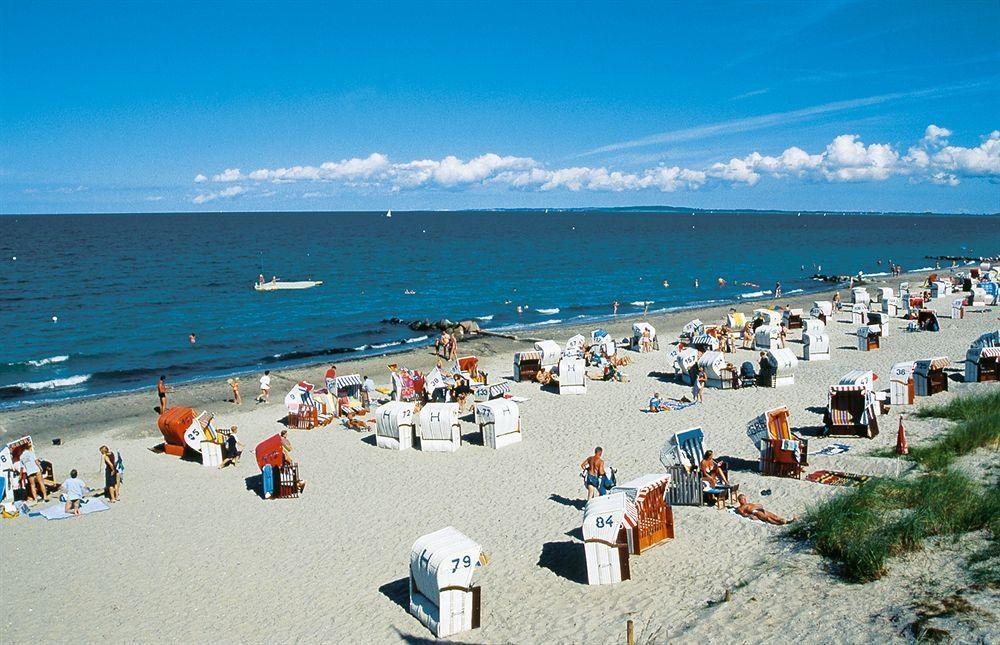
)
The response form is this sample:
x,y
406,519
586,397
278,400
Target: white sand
x,y
191,554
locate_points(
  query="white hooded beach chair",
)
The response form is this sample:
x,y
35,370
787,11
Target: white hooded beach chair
x,y
782,362
815,341
394,425
686,359
901,387
859,295
767,337
717,370
604,541
859,313
637,331
572,376
442,596
550,351
869,338
499,422
440,429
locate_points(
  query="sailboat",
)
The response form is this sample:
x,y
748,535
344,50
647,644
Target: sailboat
x,y
388,213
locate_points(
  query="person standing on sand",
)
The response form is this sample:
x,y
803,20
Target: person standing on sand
x,y
111,479
33,469
837,304
331,380
161,391
593,475
234,384
698,384
265,387
614,308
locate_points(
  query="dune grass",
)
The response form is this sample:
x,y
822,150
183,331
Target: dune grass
x,y
862,528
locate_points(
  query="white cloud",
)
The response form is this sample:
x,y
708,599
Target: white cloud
x,y
153,198
232,191
200,178
845,159
229,174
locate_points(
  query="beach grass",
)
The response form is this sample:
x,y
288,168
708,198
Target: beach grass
x,y
977,425
862,528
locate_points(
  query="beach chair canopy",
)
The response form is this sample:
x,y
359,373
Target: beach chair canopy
x,y
639,327
174,423
902,372
824,307
989,339
769,316
713,363
772,424
551,352
502,413
603,516
637,489
438,421
925,366
736,320
869,330
269,452
443,560
813,326
781,360
693,328
392,416
300,394
684,449
705,341
686,358
575,344
859,378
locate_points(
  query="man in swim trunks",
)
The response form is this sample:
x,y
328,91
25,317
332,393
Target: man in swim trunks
x,y
593,478
161,391
746,509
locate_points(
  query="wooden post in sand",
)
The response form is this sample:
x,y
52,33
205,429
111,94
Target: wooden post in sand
x,y
630,633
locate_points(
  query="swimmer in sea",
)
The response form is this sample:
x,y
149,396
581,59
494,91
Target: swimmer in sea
x,y
666,284
192,338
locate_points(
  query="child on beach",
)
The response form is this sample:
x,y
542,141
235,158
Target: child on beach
x,y
265,387
74,488
234,384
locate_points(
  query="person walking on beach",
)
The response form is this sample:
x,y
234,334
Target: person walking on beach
x,y
234,384
331,380
33,469
232,448
265,387
777,290
74,488
161,391
111,477
593,473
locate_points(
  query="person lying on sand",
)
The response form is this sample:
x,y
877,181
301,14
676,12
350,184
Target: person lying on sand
x,y
357,422
746,509
543,376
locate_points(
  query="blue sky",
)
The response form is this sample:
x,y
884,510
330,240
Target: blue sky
x,y
302,106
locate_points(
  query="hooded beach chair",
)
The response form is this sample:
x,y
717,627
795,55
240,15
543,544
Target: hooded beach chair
x,y
748,375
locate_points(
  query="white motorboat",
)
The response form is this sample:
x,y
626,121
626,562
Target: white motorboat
x,y
280,285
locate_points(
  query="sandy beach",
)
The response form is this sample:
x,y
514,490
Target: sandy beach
x,y
191,553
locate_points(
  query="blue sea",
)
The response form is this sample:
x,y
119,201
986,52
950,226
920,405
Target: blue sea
x,y
103,303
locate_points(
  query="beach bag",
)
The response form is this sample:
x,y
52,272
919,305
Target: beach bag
x,y
267,475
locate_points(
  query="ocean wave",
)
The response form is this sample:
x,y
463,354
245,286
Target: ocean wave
x,y
24,388
548,312
384,345
416,340
554,321
485,318
40,362
794,291
640,303
755,294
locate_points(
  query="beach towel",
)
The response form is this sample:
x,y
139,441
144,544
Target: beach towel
x,y
837,478
832,449
732,511
87,506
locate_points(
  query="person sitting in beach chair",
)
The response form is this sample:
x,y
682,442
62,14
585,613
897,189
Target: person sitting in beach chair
x,y
713,472
757,511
